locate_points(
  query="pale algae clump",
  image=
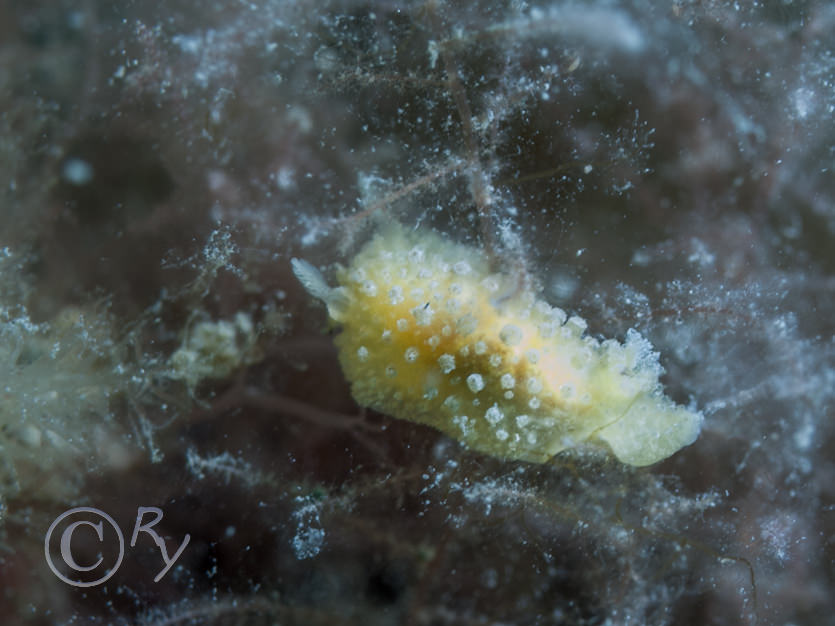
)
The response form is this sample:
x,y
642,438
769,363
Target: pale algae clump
x,y
214,349
57,380
429,334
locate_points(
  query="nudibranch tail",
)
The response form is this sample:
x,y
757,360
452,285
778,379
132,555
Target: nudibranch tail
x,y
653,428
426,337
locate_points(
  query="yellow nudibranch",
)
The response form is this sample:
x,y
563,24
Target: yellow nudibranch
x,y
429,334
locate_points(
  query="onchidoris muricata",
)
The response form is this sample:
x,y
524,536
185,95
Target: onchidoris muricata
x,y
429,334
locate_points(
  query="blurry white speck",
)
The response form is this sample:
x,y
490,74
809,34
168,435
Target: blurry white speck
x,y
604,27
301,118
186,43
641,257
433,50
490,578
803,436
700,254
77,171
285,178
626,186
325,59
564,285
315,231
75,20
216,180
803,102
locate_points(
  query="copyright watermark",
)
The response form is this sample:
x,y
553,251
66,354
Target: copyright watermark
x,y
84,546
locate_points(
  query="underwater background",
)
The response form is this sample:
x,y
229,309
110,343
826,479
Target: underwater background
x,y
659,166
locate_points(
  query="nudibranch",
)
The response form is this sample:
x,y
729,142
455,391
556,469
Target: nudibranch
x,y
430,334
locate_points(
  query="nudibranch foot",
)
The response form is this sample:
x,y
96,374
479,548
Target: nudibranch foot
x,y
429,334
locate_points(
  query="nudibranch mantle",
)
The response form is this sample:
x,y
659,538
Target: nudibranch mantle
x,y
430,334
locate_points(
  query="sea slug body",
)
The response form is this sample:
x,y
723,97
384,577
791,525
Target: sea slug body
x,y
429,334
